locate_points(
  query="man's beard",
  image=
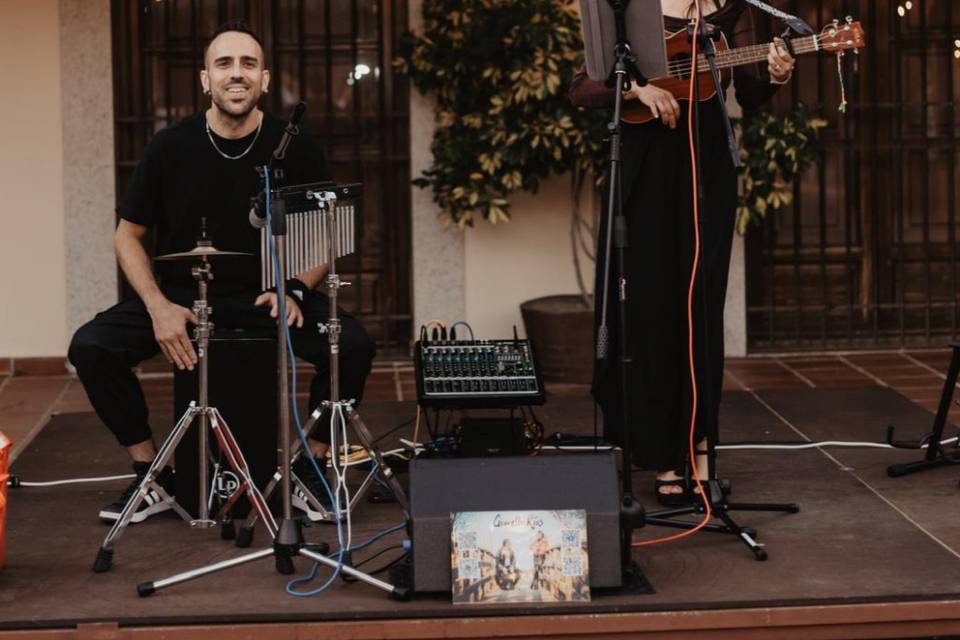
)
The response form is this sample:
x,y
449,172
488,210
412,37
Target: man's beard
x,y
233,110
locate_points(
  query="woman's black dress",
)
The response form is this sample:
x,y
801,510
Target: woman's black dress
x,y
658,204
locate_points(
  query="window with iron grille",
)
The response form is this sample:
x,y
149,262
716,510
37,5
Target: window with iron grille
x,y
867,255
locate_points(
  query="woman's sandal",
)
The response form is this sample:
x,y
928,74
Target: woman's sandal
x,y
671,499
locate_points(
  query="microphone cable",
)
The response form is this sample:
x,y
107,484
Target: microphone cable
x,y
695,395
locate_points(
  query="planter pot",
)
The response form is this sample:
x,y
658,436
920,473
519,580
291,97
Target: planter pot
x,y
560,328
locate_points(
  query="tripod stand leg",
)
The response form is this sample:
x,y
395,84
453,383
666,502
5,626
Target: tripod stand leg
x,y
145,589
363,434
245,536
784,507
104,559
238,463
398,593
755,547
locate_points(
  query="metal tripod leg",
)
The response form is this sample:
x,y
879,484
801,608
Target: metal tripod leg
x,y
237,461
366,440
104,560
149,588
245,538
721,511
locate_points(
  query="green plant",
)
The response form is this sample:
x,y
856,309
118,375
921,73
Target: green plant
x,y
500,72
775,151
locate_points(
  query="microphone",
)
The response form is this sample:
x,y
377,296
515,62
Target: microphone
x,y
292,129
257,216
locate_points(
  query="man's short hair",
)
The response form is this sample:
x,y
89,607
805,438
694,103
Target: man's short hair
x,y
235,25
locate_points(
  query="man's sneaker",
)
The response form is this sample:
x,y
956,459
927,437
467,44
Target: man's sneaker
x,y
152,502
305,471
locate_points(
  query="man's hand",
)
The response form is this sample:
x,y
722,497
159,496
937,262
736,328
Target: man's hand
x,y
294,315
660,101
170,329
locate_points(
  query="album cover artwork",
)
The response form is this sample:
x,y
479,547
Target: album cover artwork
x,y
519,556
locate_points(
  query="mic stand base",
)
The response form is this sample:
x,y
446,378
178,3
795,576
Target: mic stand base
x,y
721,509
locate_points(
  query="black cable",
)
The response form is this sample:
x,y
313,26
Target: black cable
x,y
390,565
403,424
350,579
379,553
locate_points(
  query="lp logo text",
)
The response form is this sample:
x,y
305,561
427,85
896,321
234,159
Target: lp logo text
x,y
226,484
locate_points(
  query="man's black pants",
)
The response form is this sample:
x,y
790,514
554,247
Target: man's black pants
x,y
106,349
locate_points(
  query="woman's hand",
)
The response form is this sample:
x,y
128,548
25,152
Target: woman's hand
x,y
779,62
660,101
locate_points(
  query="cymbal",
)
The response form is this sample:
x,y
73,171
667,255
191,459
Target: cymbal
x,y
208,251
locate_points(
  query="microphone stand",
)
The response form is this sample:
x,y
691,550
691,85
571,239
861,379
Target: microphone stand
x,y
715,489
631,511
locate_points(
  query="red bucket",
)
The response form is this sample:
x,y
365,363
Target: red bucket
x,y
5,446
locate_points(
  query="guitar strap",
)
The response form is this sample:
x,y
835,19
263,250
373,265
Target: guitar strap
x,y
796,24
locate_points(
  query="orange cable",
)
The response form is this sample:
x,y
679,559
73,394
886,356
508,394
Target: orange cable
x,y
690,289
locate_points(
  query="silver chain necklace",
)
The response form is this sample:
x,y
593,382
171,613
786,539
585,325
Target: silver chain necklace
x,y
245,151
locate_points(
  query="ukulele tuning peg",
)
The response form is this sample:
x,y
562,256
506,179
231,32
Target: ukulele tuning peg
x,y
849,19
836,22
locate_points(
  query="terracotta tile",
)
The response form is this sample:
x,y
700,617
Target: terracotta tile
x,y
39,366
903,367
921,378
893,359
31,394
74,406
770,382
939,361
6,366
814,363
758,365
17,425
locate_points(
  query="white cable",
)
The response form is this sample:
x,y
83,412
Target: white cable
x,y
341,471
809,445
55,483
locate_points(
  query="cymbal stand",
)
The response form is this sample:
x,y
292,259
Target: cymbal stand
x,y
208,418
288,541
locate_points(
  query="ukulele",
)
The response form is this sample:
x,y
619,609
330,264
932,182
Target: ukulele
x,y
835,38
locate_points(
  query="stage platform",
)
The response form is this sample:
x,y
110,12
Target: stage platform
x,y
867,556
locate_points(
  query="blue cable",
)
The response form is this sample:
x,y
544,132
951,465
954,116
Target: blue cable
x,y
282,314
313,571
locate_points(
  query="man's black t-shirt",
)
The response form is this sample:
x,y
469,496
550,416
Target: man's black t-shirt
x,y
182,179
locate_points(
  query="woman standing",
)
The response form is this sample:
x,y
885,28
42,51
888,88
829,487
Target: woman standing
x,y
658,203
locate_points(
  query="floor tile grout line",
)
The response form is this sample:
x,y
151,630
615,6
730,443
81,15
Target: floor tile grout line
x,y
40,423
863,371
796,373
740,382
924,365
859,479
4,384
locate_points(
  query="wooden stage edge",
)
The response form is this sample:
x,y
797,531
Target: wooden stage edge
x,y
877,620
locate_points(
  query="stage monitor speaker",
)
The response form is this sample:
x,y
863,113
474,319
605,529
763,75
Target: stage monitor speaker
x,y
243,387
441,487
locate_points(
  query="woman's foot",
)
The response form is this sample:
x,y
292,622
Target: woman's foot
x,y
670,489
